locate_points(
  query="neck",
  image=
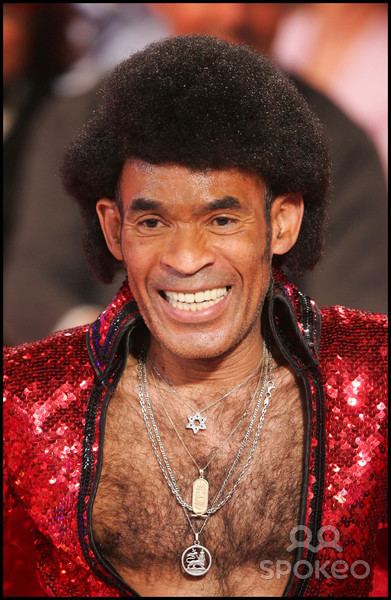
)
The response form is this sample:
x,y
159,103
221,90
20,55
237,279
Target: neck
x,y
225,370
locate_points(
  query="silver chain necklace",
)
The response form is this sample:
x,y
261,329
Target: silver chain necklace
x,y
201,470
196,560
154,435
197,421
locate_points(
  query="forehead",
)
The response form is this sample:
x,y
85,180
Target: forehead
x,y
171,181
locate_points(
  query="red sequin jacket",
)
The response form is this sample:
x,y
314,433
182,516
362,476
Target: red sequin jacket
x,y
56,395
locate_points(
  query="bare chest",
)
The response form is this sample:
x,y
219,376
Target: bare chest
x,y
142,530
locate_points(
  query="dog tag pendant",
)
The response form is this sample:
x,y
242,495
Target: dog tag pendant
x,y
200,496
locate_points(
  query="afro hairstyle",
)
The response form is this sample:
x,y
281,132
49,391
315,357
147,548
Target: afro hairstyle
x,y
202,103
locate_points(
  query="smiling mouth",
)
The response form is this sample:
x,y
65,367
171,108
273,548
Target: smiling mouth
x,y
195,301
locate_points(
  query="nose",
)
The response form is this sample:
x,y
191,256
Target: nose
x,y
187,252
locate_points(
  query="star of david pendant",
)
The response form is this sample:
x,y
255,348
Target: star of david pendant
x,y
196,422
196,560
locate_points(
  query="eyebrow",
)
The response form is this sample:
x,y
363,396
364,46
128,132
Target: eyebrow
x,y
219,204
141,204
145,204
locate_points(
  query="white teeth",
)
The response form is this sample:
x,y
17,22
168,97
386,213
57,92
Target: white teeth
x,y
194,306
197,301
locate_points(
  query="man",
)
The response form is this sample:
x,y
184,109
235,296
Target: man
x,y
212,421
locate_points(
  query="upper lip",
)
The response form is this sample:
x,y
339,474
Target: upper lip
x,y
204,289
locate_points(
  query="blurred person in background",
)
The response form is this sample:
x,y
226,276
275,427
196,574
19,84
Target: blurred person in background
x,y
357,222
62,290
35,52
341,49
107,34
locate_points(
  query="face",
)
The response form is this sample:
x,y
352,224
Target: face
x,y
195,249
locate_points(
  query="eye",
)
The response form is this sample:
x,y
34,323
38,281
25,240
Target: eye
x,y
151,223
223,221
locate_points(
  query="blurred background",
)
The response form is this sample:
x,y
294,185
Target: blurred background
x,y
55,56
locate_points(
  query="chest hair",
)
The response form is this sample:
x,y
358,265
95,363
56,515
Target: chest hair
x,y
137,522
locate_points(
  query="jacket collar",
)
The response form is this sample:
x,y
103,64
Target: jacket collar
x,y
293,320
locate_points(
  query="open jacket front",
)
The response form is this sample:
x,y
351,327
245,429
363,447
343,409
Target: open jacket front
x,y
56,396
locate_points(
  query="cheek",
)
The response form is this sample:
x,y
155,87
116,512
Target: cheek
x,y
250,256
253,263
138,259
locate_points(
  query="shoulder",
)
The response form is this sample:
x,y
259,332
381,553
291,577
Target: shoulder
x,y
346,327
47,386
58,344
44,365
353,356
354,335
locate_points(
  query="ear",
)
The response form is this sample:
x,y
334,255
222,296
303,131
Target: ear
x,y
286,215
110,222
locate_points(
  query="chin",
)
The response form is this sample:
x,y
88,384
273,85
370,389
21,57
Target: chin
x,y
201,346
201,341
191,351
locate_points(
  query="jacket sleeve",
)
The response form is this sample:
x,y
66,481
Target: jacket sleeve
x,y
380,568
20,572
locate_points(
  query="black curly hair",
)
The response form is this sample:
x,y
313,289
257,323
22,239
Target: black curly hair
x,y
202,103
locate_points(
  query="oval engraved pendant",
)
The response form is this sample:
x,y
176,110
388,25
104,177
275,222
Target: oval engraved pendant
x,y
200,496
196,560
